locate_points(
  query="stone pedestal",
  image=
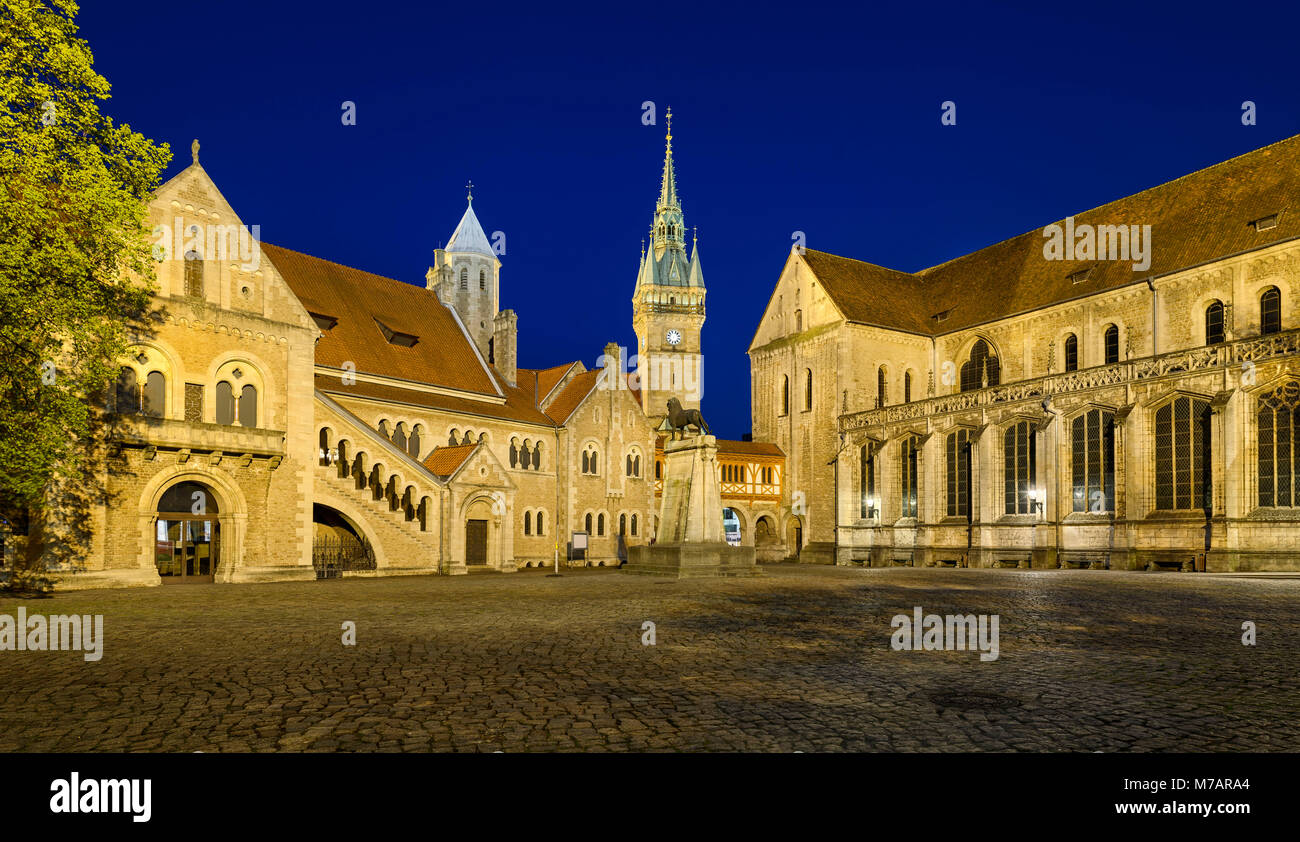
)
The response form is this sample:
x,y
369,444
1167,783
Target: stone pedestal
x,y
690,541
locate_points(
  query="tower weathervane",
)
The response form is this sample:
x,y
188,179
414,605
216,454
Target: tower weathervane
x,y
469,190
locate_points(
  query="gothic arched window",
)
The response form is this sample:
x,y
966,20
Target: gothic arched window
x,y
1183,455
1071,353
464,278
1214,323
127,392
866,481
528,523
1278,422
153,398
881,394
248,406
193,274
958,452
807,389
225,403
1092,461
1270,311
1110,344
785,394
907,387
482,279
907,464
981,365
1019,468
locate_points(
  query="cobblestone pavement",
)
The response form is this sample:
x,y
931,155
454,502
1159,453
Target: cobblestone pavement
x,y
797,660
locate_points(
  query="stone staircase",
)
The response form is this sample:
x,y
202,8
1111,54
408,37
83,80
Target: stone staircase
x,y
401,546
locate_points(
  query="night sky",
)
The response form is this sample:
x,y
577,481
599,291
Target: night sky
x,y
785,118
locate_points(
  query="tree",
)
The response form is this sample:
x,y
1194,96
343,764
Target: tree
x,y
76,274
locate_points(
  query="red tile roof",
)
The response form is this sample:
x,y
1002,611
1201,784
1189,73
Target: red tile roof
x,y
445,461
1194,219
442,356
748,448
572,395
519,405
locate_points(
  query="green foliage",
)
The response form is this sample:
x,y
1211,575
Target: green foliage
x,y
76,270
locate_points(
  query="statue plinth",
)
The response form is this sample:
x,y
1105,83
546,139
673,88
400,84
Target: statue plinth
x,y
690,541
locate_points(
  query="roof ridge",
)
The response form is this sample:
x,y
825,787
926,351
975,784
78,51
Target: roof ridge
x,y
1127,196
349,268
858,260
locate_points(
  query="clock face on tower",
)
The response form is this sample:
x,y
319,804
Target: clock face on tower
x,y
674,337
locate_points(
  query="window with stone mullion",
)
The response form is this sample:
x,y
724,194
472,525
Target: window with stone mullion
x,y
1093,462
1279,456
1182,454
1018,468
907,472
958,468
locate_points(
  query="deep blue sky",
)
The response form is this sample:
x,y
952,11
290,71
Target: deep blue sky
x,y
819,119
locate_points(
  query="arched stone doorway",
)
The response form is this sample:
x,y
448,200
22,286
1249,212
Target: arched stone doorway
x,y
794,536
187,534
479,519
338,544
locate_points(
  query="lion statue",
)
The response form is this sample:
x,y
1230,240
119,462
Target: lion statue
x,y
681,419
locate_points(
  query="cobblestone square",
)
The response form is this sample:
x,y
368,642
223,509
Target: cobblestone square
x,y
799,659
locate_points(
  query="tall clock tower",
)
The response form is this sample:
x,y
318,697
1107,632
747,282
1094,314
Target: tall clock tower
x,y
668,305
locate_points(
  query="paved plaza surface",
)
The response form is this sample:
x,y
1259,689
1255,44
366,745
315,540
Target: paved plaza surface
x,y
799,659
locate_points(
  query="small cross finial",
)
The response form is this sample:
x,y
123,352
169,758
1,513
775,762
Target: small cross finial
x,y
670,127
194,150
695,233
469,189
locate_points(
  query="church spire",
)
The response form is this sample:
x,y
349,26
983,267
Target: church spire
x,y
668,230
668,190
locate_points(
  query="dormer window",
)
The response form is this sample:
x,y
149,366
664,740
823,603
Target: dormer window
x,y
1265,222
396,337
942,315
323,321
1081,275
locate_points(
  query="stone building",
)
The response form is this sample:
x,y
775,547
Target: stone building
x,y
750,481
1120,389
289,418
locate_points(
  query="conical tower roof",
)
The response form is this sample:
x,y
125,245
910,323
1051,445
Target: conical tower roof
x,y
469,236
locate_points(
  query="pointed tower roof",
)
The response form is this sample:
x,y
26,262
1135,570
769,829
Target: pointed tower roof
x,y
696,278
668,190
469,236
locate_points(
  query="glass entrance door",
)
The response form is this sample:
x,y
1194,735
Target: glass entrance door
x,y
187,549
